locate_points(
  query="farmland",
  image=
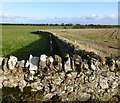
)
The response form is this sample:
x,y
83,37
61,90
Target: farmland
x,y
103,42
21,41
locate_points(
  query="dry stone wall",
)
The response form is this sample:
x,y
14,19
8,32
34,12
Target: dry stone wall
x,y
64,45
72,77
69,47
80,80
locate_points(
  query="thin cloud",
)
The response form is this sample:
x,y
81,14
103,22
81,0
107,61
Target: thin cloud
x,y
92,19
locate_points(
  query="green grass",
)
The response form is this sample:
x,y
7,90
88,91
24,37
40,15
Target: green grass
x,y
31,27
20,42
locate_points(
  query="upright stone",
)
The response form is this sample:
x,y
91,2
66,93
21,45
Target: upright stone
x,y
5,67
112,65
118,63
58,63
12,62
67,65
34,62
50,61
43,59
77,62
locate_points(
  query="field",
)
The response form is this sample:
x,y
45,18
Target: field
x,y
21,41
103,42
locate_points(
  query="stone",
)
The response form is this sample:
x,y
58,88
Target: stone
x,y
104,83
92,64
58,59
85,66
50,60
118,63
5,67
114,84
67,65
83,97
104,73
29,77
93,67
32,72
6,83
43,57
12,62
111,64
114,91
2,78
21,64
27,64
49,63
69,75
36,86
58,81
77,59
62,75
14,82
77,62
110,74
10,83
69,89
22,84
54,88
48,96
1,62
58,63
73,64
63,88
34,62
112,68
85,69
71,96
46,89
1,71
117,74
92,77
90,90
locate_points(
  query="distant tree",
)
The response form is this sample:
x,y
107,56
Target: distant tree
x,y
62,24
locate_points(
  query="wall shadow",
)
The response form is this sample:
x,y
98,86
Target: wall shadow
x,y
41,46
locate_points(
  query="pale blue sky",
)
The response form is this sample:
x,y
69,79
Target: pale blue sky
x,y
58,12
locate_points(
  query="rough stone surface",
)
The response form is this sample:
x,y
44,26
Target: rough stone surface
x,y
21,64
1,61
12,62
34,62
67,65
78,83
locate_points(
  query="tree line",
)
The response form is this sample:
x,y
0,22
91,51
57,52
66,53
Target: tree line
x,y
73,26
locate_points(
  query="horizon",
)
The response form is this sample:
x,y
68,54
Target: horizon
x,y
102,13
